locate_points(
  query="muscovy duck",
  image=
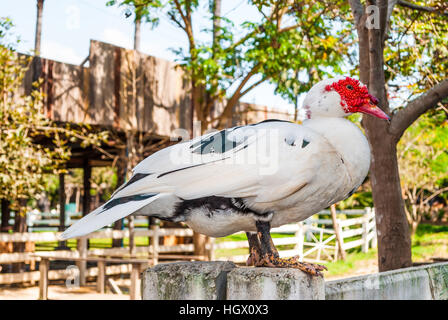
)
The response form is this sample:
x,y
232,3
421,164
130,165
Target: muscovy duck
x,y
255,177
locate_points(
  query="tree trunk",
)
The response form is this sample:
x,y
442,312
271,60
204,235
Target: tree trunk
x,y
216,22
121,175
6,214
137,34
86,199
38,35
394,242
62,200
20,226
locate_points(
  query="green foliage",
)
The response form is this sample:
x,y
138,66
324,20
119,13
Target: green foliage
x,y
416,52
359,200
142,9
23,162
423,163
423,151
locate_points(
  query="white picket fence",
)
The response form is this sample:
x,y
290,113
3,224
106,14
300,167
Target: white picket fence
x,y
314,240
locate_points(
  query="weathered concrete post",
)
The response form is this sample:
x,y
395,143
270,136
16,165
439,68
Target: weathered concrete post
x,y
224,281
248,283
197,280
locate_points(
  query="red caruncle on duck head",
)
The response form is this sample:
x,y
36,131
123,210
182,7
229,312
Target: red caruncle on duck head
x,y
355,97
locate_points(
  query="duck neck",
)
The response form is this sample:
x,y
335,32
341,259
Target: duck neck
x,y
346,138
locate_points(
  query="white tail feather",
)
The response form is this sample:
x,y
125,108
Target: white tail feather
x,y
99,218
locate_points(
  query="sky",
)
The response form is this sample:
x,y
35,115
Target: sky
x,y
68,26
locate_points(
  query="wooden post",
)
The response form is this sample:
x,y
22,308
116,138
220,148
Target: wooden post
x,y
375,238
155,242
307,232
211,249
38,34
101,280
121,177
62,244
82,265
299,246
87,186
86,199
365,233
339,239
199,242
131,228
135,277
44,265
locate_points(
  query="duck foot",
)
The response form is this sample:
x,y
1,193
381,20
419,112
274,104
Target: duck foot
x,y
254,256
272,261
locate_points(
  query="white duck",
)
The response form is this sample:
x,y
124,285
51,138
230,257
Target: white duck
x,y
254,177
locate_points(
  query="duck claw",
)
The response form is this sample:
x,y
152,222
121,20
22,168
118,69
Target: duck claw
x,y
271,261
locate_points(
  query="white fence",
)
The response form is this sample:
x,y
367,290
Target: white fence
x,y
314,240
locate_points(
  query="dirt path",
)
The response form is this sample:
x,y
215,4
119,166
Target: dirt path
x,y
58,293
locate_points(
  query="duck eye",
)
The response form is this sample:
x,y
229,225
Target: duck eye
x,y
349,87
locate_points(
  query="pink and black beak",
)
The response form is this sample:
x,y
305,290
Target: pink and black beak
x,y
371,107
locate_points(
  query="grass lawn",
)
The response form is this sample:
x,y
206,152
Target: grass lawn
x,y
428,242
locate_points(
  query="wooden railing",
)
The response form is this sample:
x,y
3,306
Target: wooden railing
x,y
312,240
153,252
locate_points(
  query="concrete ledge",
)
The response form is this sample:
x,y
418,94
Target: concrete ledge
x,y
417,283
195,280
248,283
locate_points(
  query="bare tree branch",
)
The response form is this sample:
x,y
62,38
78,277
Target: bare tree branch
x,y
435,194
390,8
411,5
404,118
227,112
252,86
